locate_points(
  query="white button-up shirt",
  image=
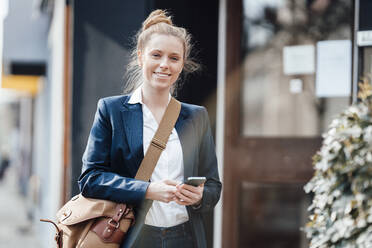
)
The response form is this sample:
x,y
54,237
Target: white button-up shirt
x,y
169,166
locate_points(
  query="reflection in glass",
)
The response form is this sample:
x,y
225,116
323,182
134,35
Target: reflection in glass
x,y
367,62
272,106
271,216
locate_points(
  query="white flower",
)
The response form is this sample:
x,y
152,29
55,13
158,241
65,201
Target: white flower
x,y
335,123
354,131
335,146
367,133
360,197
361,223
323,164
369,157
359,160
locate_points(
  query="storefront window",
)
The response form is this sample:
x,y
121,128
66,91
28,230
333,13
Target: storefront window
x,y
367,62
283,90
276,212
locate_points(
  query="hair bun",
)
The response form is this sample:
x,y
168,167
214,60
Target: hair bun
x,y
157,16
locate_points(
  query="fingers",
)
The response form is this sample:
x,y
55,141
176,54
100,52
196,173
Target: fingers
x,y
184,197
167,198
160,191
188,197
178,201
171,182
185,194
167,195
191,188
171,190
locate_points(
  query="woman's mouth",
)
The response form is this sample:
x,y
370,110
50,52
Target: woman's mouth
x,y
162,74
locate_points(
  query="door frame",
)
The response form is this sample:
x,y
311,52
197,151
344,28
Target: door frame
x,y
246,158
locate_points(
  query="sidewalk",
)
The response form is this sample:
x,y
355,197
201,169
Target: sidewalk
x,y
15,230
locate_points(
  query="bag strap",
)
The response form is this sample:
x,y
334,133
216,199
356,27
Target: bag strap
x,y
159,141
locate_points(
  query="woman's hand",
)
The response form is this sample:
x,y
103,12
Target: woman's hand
x,y
163,191
189,195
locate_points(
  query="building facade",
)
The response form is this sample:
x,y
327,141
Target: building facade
x,y
274,75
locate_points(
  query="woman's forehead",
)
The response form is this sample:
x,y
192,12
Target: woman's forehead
x,y
165,42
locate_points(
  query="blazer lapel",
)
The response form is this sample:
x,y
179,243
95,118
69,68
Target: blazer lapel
x,y
132,118
133,126
185,133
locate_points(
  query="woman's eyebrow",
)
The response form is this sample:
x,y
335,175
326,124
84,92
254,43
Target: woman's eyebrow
x,y
155,50
161,51
175,54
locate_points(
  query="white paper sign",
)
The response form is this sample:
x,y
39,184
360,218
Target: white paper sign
x,y
295,86
298,59
364,38
333,70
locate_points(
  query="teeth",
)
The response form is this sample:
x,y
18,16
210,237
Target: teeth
x,y
162,74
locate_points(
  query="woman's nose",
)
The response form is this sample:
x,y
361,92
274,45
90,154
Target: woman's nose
x,y
164,63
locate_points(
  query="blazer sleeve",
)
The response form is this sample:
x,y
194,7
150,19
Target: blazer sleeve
x,y
208,167
97,179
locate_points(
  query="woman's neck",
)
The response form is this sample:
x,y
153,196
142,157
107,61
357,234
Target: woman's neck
x,y
154,98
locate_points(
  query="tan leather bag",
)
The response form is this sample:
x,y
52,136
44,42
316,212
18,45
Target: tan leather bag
x,y
93,223
85,222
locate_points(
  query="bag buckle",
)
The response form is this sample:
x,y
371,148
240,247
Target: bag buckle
x,y
113,223
158,144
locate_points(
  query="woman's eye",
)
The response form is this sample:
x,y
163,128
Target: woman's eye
x,y
156,55
174,58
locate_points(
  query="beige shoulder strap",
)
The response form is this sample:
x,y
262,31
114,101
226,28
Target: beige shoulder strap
x,y
159,141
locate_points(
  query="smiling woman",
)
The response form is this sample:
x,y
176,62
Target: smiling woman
x,y
159,24
161,62
123,131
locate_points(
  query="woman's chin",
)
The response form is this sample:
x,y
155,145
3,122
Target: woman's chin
x,y
161,84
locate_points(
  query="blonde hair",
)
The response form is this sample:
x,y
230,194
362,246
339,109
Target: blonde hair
x,y
158,22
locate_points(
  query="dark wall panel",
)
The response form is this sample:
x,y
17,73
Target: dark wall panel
x,y
200,18
102,33
365,20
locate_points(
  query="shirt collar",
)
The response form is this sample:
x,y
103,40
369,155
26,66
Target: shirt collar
x,y
136,97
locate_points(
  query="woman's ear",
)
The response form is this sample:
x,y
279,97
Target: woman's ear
x,y
139,58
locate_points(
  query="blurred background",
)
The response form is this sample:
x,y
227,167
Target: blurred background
x,y
275,73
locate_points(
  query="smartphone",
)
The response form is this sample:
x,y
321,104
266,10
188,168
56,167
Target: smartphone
x,y
195,181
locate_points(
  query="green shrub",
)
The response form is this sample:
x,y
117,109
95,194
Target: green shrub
x,y
341,210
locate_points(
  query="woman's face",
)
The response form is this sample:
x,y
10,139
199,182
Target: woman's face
x,y
161,61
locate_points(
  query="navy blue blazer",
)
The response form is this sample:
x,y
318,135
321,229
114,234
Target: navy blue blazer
x,y
115,150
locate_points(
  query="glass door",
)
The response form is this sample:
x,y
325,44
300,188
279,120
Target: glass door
x,y
281,94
